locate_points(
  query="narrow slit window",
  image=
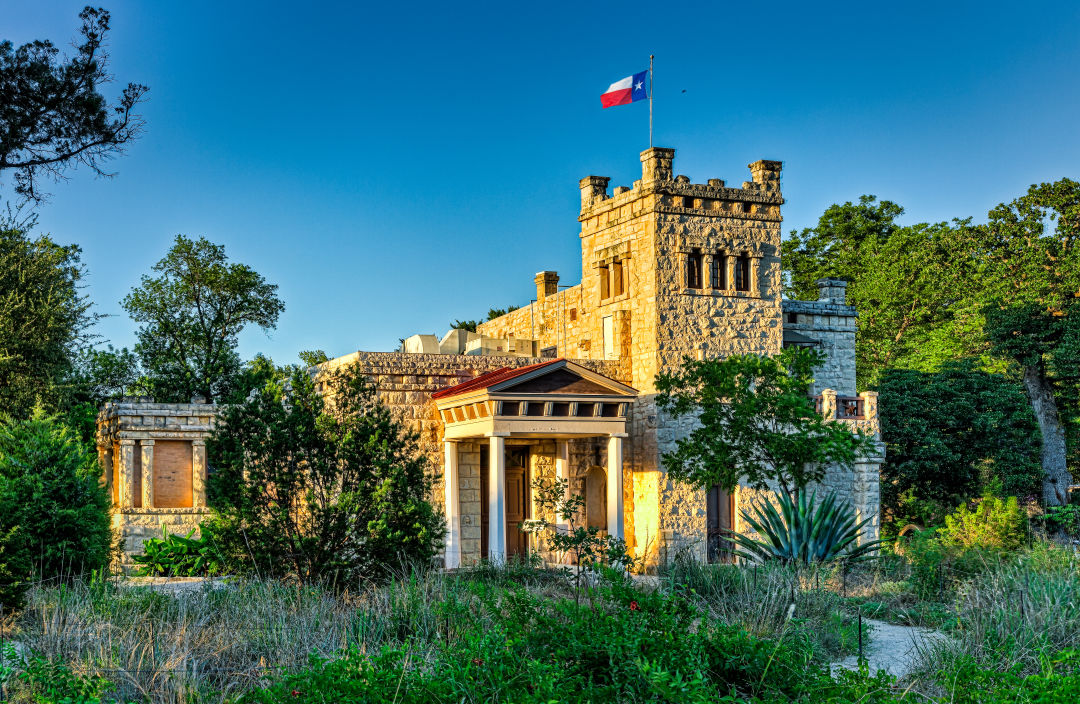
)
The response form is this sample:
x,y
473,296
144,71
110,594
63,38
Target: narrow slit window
x,y
693,269
617,278
687,202
719,270
605,284
742,273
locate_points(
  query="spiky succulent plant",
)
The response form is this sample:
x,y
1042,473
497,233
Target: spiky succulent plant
x,y
799,529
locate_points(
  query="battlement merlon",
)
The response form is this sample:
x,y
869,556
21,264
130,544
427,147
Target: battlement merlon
x,y
758,199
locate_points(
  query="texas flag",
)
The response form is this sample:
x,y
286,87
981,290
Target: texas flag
x,y
628,90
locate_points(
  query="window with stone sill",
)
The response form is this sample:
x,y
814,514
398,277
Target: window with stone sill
x,y
693,269
719,270
605,284
742,272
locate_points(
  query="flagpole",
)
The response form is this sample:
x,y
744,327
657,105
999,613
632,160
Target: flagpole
x,y
650,98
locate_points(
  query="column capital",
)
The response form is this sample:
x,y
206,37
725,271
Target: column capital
x,y
198,442
127,442
618,435
147,442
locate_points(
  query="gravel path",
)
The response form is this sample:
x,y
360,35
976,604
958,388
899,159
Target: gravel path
x,y
893,648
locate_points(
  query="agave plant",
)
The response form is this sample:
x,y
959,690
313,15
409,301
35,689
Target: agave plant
x,y
176,556
803,531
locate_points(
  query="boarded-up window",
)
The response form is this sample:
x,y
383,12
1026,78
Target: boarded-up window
x,y
609,338
172,474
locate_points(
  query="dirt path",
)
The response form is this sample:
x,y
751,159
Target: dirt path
x,y
893,648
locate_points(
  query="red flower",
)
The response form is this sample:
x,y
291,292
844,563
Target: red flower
x,y
295,693
477,661
634,606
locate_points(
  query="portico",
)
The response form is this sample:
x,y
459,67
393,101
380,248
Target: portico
x,y
504,413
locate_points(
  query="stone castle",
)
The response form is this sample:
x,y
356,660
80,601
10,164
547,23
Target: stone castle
x,y
564,387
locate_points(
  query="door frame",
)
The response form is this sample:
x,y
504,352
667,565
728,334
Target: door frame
x,y
526,453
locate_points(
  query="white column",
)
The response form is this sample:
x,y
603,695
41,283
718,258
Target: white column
x,y
147,447
198,473
562,473
127,473
497,500
614,486
453,506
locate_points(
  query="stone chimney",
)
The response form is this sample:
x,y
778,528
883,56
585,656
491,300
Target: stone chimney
x,y
592,189
832,291
656,164
766,174
547,284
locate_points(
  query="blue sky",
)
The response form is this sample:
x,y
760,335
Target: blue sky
x,y
396,166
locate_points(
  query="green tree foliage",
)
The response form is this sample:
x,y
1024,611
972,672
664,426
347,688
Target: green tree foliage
x,y
951,434
313,358
997,524
52,115
44,320
499,312
191,314
909,283
50,489
1033,309
469,325
756,422
321,489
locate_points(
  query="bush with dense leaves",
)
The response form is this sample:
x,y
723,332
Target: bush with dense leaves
x,y
329,489
995,524
50,491
950,433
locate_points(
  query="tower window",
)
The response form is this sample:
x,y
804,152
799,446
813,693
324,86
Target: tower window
x,y
742,273
747,208
605,284
693,269
687,202
618,285
719,270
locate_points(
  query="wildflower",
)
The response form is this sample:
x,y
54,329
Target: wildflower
x,y
634,606
477,661
295,693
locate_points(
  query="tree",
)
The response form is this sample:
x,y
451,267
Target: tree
x,y
44,320
192,313
952,435
313,358
911,284
469,325
50,488
755,423
52,115
329,490
1032,299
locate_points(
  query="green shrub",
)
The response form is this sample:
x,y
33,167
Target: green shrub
x,y
350,487
178,556
994,524
50,488
1065,519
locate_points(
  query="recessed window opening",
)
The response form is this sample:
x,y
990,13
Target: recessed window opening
x,y
605,283
617,284
510,408
586,410
610,410
747,208
573,314
693,269
742,273
793,318
535,408
719,270
560,409
687,202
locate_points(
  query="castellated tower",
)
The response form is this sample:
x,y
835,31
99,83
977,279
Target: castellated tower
x,y
683,268
670,269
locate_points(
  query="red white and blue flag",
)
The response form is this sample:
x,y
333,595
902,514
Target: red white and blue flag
x,y
629,90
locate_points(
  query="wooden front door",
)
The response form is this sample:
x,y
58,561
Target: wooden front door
x,y
719,520
516,497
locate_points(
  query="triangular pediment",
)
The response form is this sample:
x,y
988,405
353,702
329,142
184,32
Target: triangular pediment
x,y
564,378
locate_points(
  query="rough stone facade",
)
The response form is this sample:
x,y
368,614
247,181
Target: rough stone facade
x,y
153,461
670,270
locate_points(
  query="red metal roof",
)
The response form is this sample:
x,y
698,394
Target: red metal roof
x,y
490,379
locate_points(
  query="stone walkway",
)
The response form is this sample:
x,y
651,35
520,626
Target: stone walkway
x,y
893,648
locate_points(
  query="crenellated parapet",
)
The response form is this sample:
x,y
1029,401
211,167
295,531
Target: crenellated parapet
x,y
659,190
